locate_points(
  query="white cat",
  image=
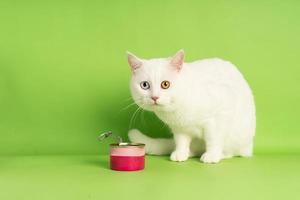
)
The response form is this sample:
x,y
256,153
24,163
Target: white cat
x,y
207,104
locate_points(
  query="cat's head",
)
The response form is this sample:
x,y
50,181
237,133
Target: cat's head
x,y
154,81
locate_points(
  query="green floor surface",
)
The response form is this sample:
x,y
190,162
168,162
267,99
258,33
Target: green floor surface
x,y
88,177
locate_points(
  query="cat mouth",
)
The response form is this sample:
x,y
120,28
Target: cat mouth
x,y
157,104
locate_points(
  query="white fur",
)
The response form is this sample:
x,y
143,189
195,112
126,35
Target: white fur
x,y
209,107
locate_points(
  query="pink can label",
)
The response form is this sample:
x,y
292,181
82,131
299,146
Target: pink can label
x,y
127,151
127,163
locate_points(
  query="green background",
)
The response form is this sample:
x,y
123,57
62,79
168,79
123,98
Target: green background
x,y
64,78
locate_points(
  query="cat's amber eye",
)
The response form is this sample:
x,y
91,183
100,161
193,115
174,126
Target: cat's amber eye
x,y
145,85
165,84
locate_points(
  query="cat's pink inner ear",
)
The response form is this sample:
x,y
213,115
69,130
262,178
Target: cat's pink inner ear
x,y
178,59
134,61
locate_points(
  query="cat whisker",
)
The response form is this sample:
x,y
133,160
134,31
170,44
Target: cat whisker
x,y
127,99
133,117
131,120
143,118
137,115
128,106
164,125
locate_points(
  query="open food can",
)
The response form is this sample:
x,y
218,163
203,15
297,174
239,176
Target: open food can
x,y
127,156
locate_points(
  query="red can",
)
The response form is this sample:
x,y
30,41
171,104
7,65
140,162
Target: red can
x,y
127,156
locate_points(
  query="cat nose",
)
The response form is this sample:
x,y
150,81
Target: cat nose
x,y
154,98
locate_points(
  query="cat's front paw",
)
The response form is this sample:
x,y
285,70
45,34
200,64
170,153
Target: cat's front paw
x,y
211,157
179,156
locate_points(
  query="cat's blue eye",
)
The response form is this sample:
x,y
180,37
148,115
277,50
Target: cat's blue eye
x,y
145,85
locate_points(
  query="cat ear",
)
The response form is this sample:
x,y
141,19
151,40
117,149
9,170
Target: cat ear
x,y
134,61
177,60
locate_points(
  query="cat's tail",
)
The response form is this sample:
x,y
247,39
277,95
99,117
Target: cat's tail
x,y
154,146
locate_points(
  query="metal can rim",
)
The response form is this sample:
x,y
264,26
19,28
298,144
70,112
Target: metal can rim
x,y
127,145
